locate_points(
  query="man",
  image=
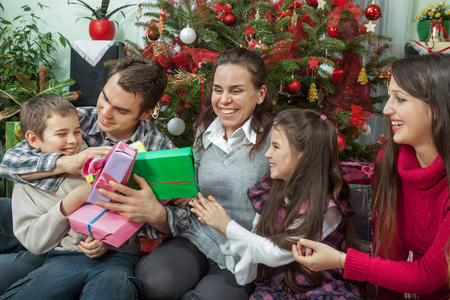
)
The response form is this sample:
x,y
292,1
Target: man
x,y
133,88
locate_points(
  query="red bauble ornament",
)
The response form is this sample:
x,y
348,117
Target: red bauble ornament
x,y
333,32
293,87
152,31
102,30
373,12
229,19
312,3
342,142
276,4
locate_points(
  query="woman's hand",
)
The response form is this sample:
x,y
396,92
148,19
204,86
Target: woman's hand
x,y
210,212
93,248
318,256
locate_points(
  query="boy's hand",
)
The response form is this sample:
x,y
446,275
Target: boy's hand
x,y
210,212
74,163
93,248
77,197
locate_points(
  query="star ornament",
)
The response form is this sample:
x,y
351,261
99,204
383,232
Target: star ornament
x,y
321,4
249,30
370,26
313,63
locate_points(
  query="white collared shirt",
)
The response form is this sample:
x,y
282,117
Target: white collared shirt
x,y
215,134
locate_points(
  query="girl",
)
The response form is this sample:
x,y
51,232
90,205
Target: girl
x,y
308,198
411,189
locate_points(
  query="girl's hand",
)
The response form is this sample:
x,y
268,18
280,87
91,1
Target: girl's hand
x,y
317,256
181,202
210,212
93,248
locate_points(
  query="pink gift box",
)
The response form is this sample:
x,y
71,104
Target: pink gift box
x,y
115,166
103,224
357,172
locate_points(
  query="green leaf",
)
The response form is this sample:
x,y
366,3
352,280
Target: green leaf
x,y
9,112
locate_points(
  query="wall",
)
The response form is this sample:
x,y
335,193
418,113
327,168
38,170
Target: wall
x,y
60,17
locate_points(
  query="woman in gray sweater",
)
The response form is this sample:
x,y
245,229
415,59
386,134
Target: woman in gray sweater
x,y
233,135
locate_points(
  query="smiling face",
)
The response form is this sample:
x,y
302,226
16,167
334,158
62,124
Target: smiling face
x,y
61,135
282,158
118,111
411,119
234,97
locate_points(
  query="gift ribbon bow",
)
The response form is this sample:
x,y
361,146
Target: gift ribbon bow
x,y
340,6
94,166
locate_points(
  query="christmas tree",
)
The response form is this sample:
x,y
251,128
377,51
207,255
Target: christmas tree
x,y
320,54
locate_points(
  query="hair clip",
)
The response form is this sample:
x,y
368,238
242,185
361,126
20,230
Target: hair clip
x,y
323,117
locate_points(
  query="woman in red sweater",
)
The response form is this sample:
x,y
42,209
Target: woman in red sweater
x,y
410,202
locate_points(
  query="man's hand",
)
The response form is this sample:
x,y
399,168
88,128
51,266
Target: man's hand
x,y
136,205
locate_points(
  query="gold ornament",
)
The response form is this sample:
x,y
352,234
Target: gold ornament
x,y
161,25
184,77
362,77
294,18
257,16
312,93
155,113
161,48
139,12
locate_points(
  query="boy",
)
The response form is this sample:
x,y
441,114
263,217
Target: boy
x,y
134,87
75,265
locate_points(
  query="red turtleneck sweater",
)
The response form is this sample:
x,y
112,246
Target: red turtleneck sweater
x,y
423,227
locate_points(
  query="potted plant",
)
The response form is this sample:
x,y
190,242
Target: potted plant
x,y
25,62
100,27
434,15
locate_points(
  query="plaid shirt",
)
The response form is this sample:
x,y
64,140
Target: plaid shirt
x,y
333,284
23,159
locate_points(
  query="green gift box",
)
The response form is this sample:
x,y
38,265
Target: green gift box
x,y
170,173
13,135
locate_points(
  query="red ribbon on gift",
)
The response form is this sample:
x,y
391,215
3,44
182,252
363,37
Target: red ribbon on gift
x,y
340,6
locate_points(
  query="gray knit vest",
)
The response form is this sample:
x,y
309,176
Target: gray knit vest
x,y
227,178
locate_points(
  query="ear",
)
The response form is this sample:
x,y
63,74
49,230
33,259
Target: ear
x,y
146,114
262,94
32,139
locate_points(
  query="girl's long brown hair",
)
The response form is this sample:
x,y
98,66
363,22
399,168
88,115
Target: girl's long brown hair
x,y
426,78
263,114
315,179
